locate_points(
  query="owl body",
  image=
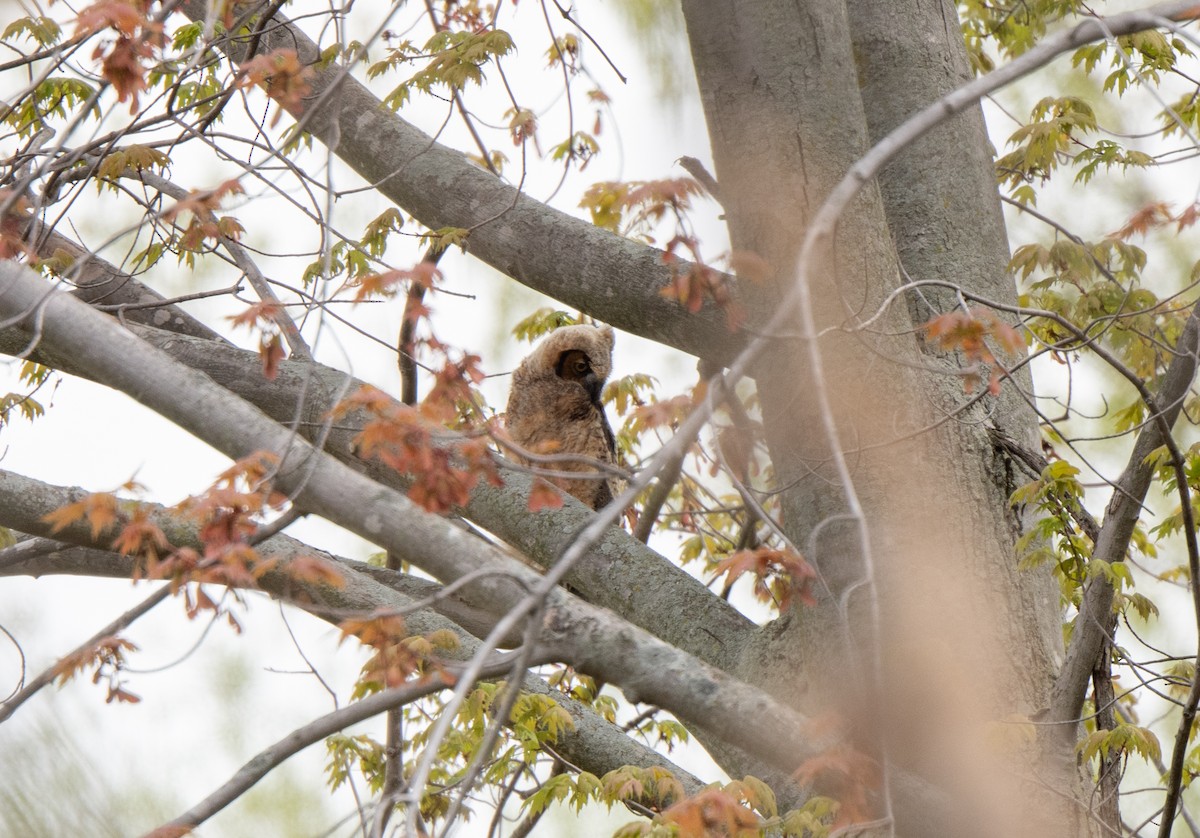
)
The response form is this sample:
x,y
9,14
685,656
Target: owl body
x,y
554,407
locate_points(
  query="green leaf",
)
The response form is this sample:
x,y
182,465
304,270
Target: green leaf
x,y
543,322
40,29
555,789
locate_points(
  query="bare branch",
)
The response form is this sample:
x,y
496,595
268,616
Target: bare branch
x,y
316,730
594,743
593,639
48,675
613,278
1119,520
619,573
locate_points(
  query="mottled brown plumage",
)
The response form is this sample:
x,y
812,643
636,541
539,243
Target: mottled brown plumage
x,y
554,406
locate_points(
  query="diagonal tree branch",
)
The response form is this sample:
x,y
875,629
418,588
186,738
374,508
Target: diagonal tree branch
x,y
613,278
592,639
594,744
299,739
1090,634
101,283
25,503
619,573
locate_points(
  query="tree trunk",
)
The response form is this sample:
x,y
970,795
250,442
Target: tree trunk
x,y
792,93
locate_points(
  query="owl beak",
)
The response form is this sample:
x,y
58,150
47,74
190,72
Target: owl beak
x,y
594,387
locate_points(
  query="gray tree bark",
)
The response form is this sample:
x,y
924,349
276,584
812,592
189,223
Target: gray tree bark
x,y
592,639
794,93
598,745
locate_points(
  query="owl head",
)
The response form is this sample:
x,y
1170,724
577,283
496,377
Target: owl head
x,y
574,353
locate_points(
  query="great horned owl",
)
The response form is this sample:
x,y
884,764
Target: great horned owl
x,y
554,406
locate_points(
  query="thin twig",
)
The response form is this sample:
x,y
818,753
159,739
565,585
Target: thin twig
x,y
266,760
696,169
241,258
567,14
406,346
668,476
48,675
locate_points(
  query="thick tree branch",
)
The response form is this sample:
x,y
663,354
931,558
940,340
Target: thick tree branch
x,y
614,279
592,639
594,744
619,573
103,284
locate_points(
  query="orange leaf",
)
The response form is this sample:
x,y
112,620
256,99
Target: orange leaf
x,y
846,775
99,509
270,349
314,571
779,575
1152,215
713,812
257,315
544,496
140,537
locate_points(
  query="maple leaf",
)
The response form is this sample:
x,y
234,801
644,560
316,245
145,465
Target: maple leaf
x,y
250,470
233,564
779,575
125,62
312,570
121,694
376,632
653,199
967,332
123,67
202,202
397,655
690,287
125,17
848,776
1188,217
544,496
270,349
713,812
197,601
285,79
140,537
451,388
98,509
387,283
665,413
1152,215
402,439
107,657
